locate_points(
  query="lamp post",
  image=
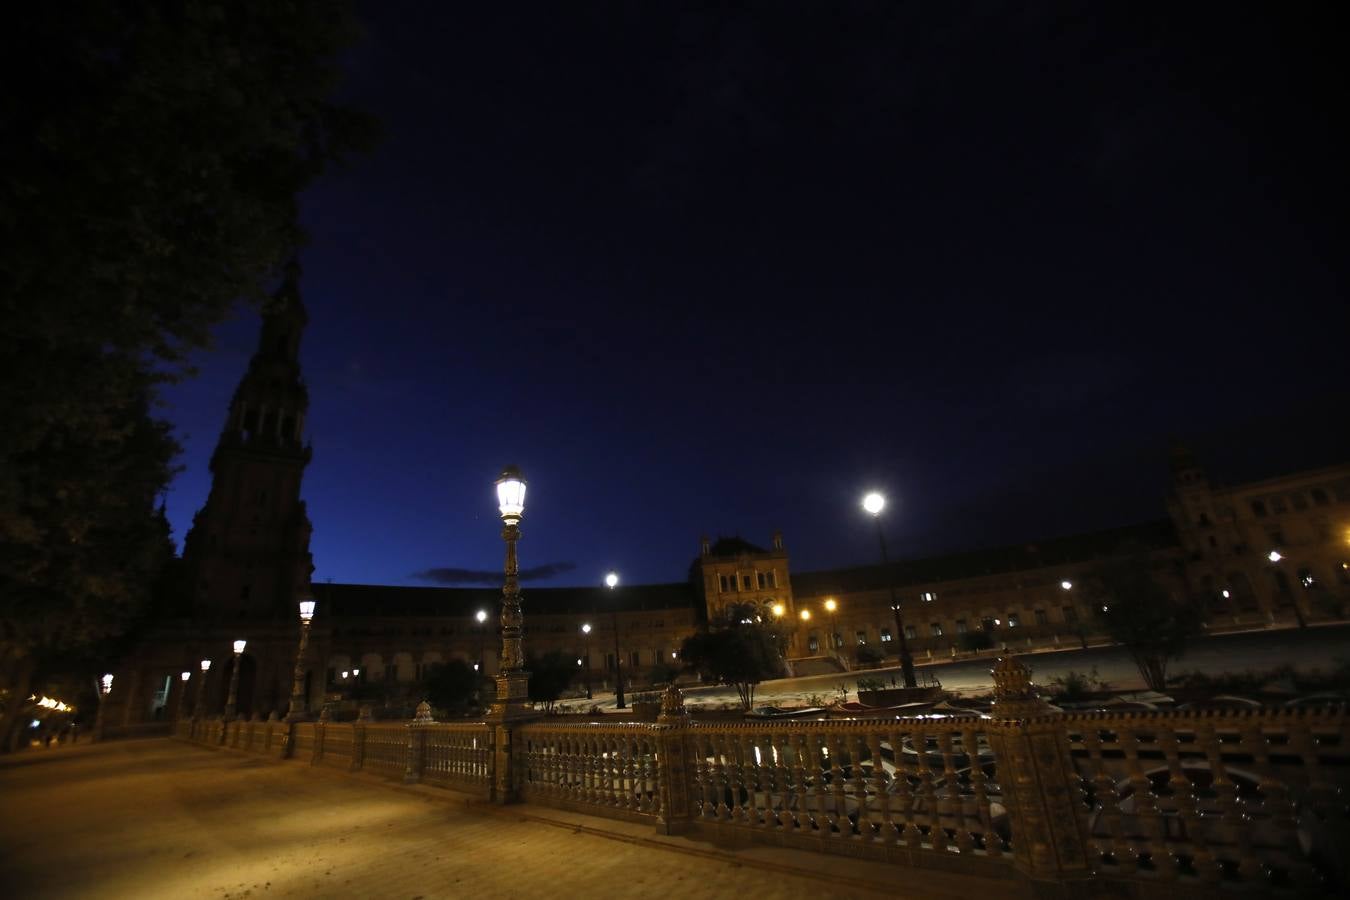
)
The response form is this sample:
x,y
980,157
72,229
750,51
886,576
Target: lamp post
x,y
201,691
481,616
586,630
611,582
512,701
874,503
1067,586
1282,587
297,707
234,680
182,694
830,607
104,685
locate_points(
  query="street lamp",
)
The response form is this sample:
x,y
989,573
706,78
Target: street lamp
x,y
1067,586
201,691
779,610
830,607
104,689
234,680
611,582
874,503
182,694
1283,587
586,631
481,616
297,707
512,680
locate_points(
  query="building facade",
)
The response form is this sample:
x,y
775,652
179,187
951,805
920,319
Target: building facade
x,y
1273,552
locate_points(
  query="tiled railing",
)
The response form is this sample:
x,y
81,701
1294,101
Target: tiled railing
x,y
457,756
595,767
385,750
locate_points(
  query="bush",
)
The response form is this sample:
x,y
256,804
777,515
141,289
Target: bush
x,y
870,684
866,654
975,640
1075,686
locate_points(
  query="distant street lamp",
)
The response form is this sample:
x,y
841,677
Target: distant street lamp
x,y
611,582
779,610
1283,587
586,631
1067,586
830,607
512,680
233,697
104,689
481,616
874,503
297,707
182,694
201,691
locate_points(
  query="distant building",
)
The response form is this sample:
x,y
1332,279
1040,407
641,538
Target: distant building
x,y
1270,552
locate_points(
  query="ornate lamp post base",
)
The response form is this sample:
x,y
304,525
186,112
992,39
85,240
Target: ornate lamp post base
x,y
513,698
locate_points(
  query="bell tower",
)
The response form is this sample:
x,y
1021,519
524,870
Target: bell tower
x,y
247,553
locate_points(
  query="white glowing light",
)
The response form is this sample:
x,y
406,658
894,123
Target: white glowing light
x,y
1067,585
511,494
239,646
1275,556
185,676
481,616
874,503
612,580
306,610
206,665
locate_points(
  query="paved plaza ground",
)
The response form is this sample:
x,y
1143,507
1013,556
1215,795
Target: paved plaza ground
x,y
160,818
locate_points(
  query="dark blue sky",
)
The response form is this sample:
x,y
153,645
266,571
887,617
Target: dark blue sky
x,y
701,270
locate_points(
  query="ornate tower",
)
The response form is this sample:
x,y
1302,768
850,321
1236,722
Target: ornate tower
x,y
247,553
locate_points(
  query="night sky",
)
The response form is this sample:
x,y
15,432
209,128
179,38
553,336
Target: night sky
x,y
700,270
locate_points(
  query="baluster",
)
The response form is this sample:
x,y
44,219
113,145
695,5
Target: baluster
x,y
878,806
819,766
776,816
979,788
907,768
801,818
1146,806
857,749
1277,805
646,770
1183,796
937,838
726,770
731,741
749,746
632,765
955,795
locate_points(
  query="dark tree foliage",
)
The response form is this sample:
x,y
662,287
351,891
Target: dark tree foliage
x,y
153,152
1142,616
550,675
738,648
451,686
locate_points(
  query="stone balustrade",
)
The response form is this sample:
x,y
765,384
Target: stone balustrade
x,y
1140,803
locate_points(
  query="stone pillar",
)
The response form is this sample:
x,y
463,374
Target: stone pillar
x,y
417,743
129,703
1040,788
673,763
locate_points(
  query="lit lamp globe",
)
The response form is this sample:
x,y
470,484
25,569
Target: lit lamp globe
x,y
206,665
830,605
1275,556
586,628
185,676
511,494
1067,585
107,681
306,610
481,616
239,646
612,580
778,610
806,615
874,503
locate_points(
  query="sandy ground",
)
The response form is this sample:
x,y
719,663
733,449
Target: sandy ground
x,y
160,818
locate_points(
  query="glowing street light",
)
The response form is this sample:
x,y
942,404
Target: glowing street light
x,y
611,582
778,610
1066,585
200,709
586,636
184,677
830,607
297,708
232,698
874,503
1274,556
104,688
481,616
512,701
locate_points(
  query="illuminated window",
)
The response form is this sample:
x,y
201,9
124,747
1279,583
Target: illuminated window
x,y
936,629
928,596
885,635
1014,619
861,636
813,643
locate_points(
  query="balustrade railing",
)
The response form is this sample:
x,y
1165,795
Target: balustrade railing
x,y
457,756
918,784
597,767
1216,796
1149,801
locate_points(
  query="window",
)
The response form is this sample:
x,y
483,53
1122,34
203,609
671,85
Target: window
x,y
885,635
1320,497
635,658
332,676
722,583
860,636
745,582
1014,619
910,633
813,643
762,580
935,629
609,662
1041,617
1070,614
928,596
987,623
1276,535
1277,505
1259,507
391,673
773,578
961,626
1299,501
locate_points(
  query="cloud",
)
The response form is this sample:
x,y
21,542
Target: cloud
x,y
494,577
